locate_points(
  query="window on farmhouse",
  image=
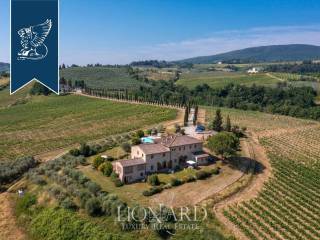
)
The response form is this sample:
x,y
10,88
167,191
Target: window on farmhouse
x,y
151,156
140,167
179,148
128,170
151,167
163,155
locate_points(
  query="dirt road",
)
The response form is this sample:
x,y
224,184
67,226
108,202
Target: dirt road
x,y
8,226
257,152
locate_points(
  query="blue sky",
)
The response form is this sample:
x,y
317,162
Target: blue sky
x,y
120,31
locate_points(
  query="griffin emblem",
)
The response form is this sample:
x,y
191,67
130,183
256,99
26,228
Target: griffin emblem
x,y
32,41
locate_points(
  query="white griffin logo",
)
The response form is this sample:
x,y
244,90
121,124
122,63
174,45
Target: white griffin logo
x,y
32,40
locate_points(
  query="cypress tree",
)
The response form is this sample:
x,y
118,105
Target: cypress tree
x,y
217,122
228,124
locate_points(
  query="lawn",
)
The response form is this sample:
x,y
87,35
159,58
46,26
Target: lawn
x,y
48,123
166,178
217,79
132,193
101,77
7,100
129,193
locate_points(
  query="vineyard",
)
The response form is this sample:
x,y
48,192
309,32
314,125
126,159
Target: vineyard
x,y
294,77
288,207
219,79
46,123
101,77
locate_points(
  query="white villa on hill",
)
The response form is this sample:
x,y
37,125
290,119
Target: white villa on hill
x,y
253,70
165,154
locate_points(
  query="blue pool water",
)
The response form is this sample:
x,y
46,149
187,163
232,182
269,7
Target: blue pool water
x,y
147,140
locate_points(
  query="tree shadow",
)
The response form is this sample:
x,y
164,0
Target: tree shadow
x,y
244,164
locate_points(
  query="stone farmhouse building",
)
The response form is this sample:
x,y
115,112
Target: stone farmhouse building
x,y
166,154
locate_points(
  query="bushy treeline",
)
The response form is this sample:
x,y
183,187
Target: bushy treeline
x,y
292,101
152,63
160,64
39,89
301,68
11,170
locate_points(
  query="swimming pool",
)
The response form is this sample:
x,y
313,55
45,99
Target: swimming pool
x,y
147,140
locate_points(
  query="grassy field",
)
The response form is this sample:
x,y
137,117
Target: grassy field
x,y
217,79
129,193
158,74
4,81
101,77
288,206
47,123
20,97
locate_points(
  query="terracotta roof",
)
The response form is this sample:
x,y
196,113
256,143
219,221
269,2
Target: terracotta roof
x,y
179,140
153,148
131,162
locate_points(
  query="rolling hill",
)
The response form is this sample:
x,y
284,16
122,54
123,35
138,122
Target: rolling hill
x,y
101,77
272,53
4,67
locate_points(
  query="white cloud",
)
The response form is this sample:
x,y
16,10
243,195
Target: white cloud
x,y
218,42
232,40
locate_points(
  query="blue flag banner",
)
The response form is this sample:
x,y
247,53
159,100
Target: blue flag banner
x,y
34,43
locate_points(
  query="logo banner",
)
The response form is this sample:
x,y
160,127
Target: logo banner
x,y
34,43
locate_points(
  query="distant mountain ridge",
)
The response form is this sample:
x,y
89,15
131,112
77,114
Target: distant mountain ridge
x,y
4,67
272,53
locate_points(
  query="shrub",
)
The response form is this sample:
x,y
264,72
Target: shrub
x,y
115,179
97,162
67,203
106,168
110,158
215,171
139,134
135,141
25,203
11,170
152,191
84,196
126,147
175,182
95,148
117,182
93,187
202,175
114,176
38,180
153,180
86,150
74,152
93,207
189,178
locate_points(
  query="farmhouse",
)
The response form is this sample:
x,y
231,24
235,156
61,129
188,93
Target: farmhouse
x,y
253,71
168,153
